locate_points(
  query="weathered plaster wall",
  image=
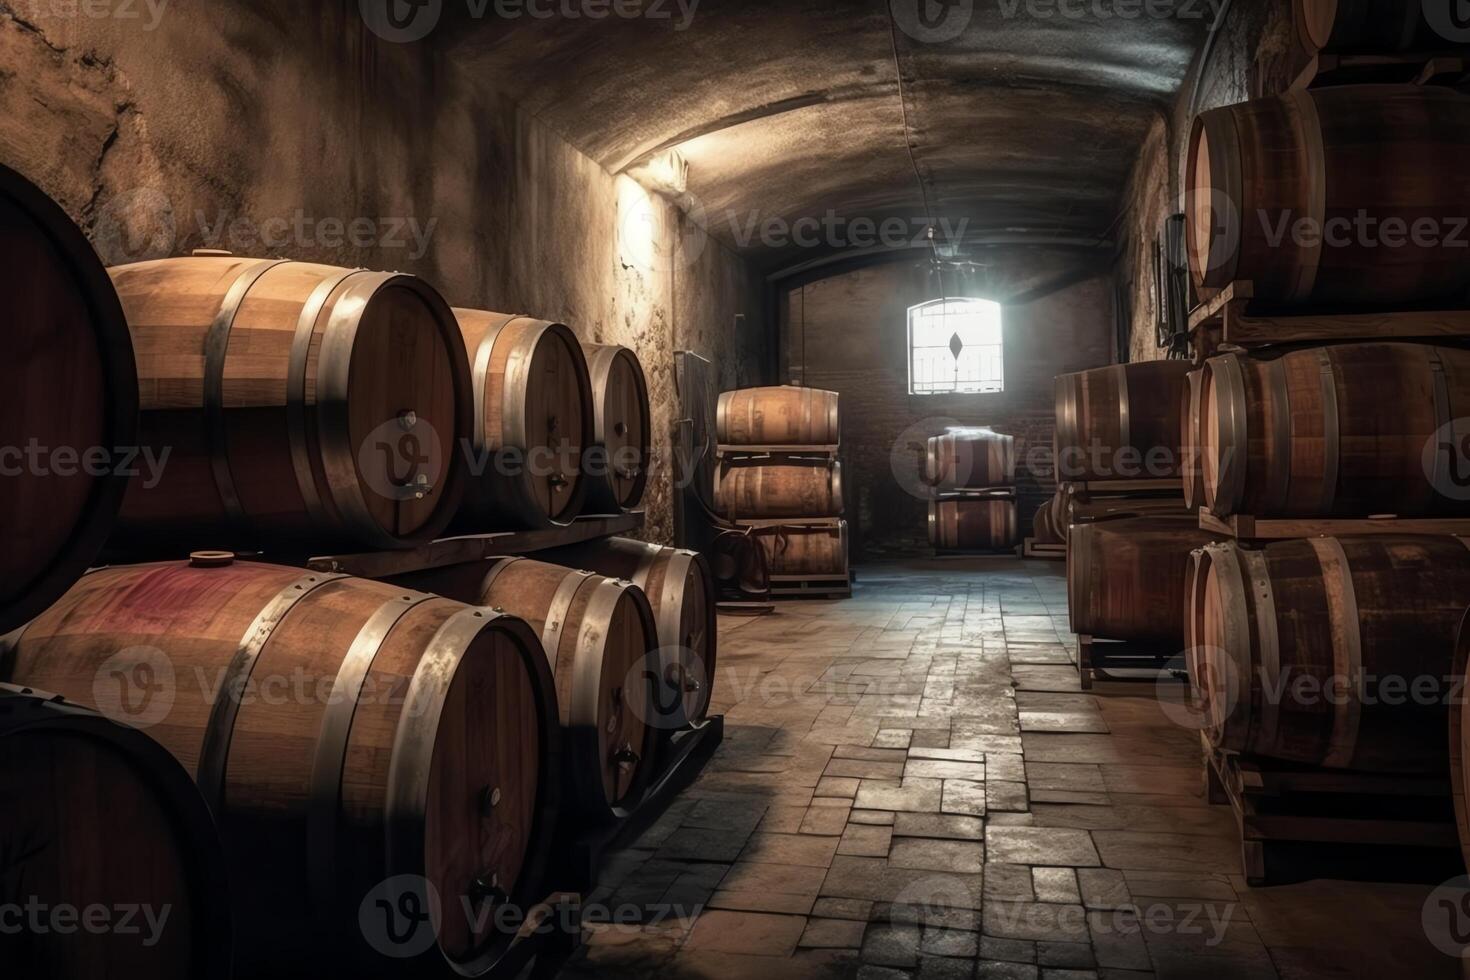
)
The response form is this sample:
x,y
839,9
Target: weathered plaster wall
x,y
1254,51
188,124
849,333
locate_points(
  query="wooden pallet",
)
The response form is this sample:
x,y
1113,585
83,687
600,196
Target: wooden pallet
x,y
1226,319
774,450
761,522
550,935
1279,807
987,493
1122,488
1098,658
682,757
1243,527
1043,552
1418,68
811,586
476,547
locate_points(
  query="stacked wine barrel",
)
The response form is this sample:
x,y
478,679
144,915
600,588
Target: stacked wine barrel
x,y
356,742
780,475
622,430
1119,502
971,473
1332,648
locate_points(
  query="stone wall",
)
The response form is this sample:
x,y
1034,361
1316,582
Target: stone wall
x,y
849,333
1254,52
269,128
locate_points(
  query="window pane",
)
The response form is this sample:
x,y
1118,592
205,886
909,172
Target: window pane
x,y
955,346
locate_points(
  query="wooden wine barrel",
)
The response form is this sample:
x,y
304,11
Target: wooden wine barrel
x,y
617,474
973,525
1195,576
1368,26
739,565
1359,166
1192,471
1120,422
96,814
534,418
784,489
1311,650
361,733
1460,737
1077,504
808,550
784,416
69,387
301,405
970,459
601,640
1307,433
1126,578
1043,529
681,591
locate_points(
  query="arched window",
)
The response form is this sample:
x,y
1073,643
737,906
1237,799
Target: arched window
x,y
955,347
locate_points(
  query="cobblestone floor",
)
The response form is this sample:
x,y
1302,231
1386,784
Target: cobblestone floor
x,y
912,785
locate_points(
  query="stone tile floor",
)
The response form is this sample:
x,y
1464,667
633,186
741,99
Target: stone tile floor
x,y
912,785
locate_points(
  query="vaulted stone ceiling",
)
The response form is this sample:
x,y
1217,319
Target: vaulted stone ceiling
x,y
1024,116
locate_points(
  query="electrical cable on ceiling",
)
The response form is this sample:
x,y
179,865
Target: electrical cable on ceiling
x,y
908,144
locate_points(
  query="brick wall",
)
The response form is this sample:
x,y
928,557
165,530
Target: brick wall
x,y
848,333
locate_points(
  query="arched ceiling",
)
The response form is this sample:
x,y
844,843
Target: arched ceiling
x,y
1023,126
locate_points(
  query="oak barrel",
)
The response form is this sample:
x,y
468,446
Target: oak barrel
x,y
960,524
1339,197
97,815
1310,433
1334,652
1120,422
601,641
739,565
1043,528
1126,578
780,489
806,550
349,736
1460,737
1369,26
617,470
301,405
533,420
1192,471
681,591
68,388
783,416
970,459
